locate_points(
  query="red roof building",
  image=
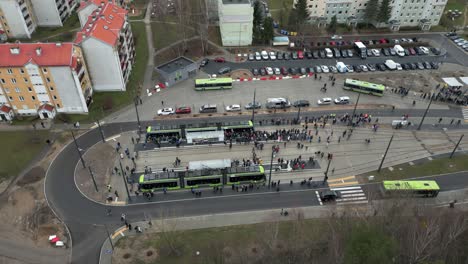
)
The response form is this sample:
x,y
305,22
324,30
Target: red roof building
x,y
41,54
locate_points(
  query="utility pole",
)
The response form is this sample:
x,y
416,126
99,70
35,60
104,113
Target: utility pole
x,y
92,177
125,181
100,130
138,116
110,238
458,143
78,149
385,155
425,113
326,172
253,110
271,165
354,110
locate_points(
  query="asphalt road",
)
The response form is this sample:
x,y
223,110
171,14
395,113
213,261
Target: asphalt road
x,y
86,219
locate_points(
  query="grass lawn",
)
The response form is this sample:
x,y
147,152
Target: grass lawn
x,y
42,33
278,4
455,4
433,167
165,34
18,149
215,35
120,99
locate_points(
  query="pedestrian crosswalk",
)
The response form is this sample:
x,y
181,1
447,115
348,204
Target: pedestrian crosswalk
x,y
465,113
351,194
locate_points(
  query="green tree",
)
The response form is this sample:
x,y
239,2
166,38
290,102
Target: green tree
x,y
370,13
368,245
301,12
257,22
268,30
333,25
385,12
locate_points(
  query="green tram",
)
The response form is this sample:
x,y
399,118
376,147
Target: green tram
x,y
410,188
159,134
201,178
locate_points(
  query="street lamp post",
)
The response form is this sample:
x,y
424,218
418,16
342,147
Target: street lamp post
x,y
354,110
385,155
326,172
425,113
78,149
458,143
253,110
100,131
298,113
271,166
125,182
92,177
138,116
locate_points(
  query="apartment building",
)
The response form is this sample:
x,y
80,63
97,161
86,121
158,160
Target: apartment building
x,y
108,47
405,13
89,6
52,13
17,18
43,79
235,22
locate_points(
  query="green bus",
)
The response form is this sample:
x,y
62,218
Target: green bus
x,y
213,84
410,188
252,174
364,87
206,177
159,181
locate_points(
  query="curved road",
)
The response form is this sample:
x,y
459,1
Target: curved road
x,y
85,219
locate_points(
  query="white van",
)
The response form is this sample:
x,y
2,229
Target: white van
x,y
390,64
341,67
328,53
342,100
399,50
265,55
208,108
277,103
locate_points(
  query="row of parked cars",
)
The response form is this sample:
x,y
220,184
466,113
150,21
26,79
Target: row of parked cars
x,y
272,103
459,41
336,41
370,67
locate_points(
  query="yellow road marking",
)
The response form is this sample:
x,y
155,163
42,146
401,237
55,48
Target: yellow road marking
x,y
342,179
343,184
122,229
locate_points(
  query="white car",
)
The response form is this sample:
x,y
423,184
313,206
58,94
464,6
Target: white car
x,y
258,57
364,68
424,50
350,69
342,100
325,69
398,66
272,55
375,52
166,111
461,43
264,55
233,108
336,37
277,71
269,70
324,101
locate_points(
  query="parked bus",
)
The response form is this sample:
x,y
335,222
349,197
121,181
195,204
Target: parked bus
x,y
252,174
360,49
410,188
364,87
213,84
158,181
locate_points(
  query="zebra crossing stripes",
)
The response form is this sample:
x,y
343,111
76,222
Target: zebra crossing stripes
x,y
351,194
465,113
318,197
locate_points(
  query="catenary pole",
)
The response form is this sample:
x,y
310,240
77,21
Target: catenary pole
x,y
78,149
425,113
458,143
125,182
385,155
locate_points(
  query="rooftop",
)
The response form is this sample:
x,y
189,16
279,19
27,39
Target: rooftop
x,y
42,54
174,65
105,24
227,2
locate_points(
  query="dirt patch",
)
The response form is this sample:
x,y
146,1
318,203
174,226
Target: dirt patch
x,y
193,51
35,174
237,74
126,253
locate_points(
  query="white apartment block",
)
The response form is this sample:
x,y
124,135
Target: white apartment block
x,y
108,47
52,13
236,22
405,13
17,18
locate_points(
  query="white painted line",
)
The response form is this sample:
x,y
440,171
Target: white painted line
x,y
351,199
356,202
113,138
354,195
94,126
122,234
346,188
318,197
354,191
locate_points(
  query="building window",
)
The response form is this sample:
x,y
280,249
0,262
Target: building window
x,y
310,6
13,80
29,89
58,105
10,71
21,98
2,80
17,89
51,88
21,70
33,98
25,80
55,97
11,98
44,70
7,90
48,79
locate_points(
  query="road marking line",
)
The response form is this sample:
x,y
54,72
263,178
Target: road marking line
x,y
318,197
113,138
119,232
354,195
346,188
353,191
341,179
351,199
356,202
343,184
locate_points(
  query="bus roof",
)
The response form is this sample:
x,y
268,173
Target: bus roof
x,y
213,80
375,86
411,185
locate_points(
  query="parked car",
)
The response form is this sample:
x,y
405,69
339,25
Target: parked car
x,y
277,71
424,50
336,37
166,111
414,66
233,108
318,69
427,65
336,53
308,55
287,56
220,59
224,70
272,55
251,105
357,68
325,69
364,68
263,72
392,52
324,101
284,71
406,51
300,55
251,57
398,67
350,68
315,54
264,55
369,53
371,67
342,100
420,66
412,51
381,67
302,71
204,62
435,51
269,70
293,70
183,110
294,55
435,65
301,103
350,53
280,56
333,69
404,66
255,72
258,57
310,70
344,53
375,52
322,54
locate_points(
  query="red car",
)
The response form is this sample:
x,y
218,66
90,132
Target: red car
x,y
220,59
383,41
183,110
300,55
